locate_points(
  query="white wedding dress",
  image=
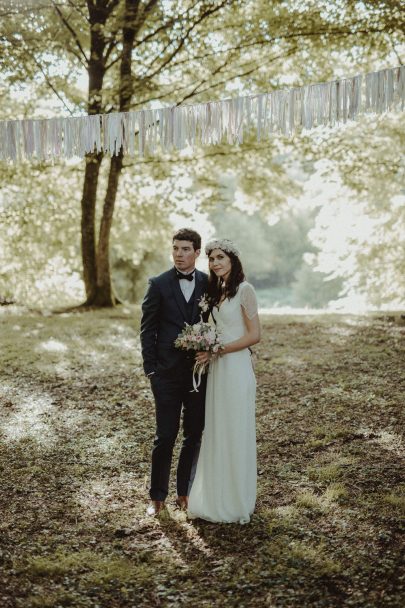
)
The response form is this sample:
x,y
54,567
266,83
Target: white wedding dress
x,y
224,487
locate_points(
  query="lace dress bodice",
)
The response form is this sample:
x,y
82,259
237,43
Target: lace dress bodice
x,y
229,317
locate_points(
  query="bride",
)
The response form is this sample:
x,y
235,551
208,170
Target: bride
x,y
224,487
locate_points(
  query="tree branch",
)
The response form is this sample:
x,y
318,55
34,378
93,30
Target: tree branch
x,y
113,44
398,56
239,75
195,91
202,17
71,30
363,32
17,44
236,151
165,26
77,9
50,85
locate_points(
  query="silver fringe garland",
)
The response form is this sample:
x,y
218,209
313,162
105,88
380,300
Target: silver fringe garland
x,y
281,111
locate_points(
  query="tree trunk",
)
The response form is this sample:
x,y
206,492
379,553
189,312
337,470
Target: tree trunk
x,y
98,15
88,203
104,295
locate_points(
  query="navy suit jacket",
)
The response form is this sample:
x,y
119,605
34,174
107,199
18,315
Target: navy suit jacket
x,y
163,318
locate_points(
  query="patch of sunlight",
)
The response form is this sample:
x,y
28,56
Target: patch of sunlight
x,y
32,332
195,539
391,441
286,511
62,369
339,335
97,356
120,328
333,390
121,342
167,545
73,419
290,310
30,419
96,497
289,360
358,321
13,310
103,445
387,439
339,330
53,346
111,497
66,367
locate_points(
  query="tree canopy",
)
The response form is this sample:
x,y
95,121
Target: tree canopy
x,y
133,53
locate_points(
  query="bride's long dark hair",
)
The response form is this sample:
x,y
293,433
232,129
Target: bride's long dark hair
x,y
216,288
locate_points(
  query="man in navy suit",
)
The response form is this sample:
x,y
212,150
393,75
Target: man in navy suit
x,y
171,301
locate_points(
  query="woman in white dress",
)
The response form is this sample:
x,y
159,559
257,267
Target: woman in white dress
x,y
224,487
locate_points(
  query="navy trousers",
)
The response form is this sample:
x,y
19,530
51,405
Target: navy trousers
x,y
173,396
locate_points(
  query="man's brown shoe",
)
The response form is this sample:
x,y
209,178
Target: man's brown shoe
x,y
155,507
182,502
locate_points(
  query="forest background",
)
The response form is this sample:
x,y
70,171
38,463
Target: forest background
x,y
319,217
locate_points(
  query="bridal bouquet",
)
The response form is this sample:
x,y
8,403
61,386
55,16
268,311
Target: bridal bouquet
x,y
199,337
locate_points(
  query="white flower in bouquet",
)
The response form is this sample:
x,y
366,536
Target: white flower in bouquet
x,y
204,303
199,337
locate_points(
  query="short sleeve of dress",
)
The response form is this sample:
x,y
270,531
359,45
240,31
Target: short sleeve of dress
x,y
249,301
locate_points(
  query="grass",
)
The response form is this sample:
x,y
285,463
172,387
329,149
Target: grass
x,y
313,557
336,492
395,501
309,500
97,569
76,428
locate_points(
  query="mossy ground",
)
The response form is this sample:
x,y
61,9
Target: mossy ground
x,y
76,427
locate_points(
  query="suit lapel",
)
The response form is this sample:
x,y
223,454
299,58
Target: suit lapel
x,y
179,295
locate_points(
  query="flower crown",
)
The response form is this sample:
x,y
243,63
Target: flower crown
x,y
223,244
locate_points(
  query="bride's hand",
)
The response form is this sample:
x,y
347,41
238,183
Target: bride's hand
x,y
203,357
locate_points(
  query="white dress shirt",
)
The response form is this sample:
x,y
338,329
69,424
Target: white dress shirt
x,y
187,287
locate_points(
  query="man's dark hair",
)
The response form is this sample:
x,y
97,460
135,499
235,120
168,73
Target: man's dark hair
x,y
186,234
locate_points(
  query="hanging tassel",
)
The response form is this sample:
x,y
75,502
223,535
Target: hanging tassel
x,y
281,111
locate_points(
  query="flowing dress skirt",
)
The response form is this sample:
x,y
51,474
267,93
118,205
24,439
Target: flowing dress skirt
x,y
224,487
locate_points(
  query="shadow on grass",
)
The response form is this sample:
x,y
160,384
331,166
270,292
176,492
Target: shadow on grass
x,y
75,457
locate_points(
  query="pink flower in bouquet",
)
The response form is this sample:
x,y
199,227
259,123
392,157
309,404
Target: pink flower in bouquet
x,y
199,337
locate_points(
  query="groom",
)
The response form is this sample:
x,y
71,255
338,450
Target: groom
x,y
171,301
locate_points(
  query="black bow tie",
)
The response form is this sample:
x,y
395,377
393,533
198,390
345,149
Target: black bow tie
x,y
188,277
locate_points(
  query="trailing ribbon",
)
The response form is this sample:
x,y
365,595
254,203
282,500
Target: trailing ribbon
x,y
198,371
281,111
